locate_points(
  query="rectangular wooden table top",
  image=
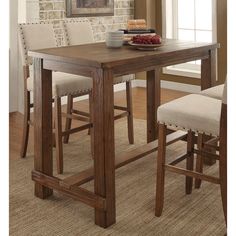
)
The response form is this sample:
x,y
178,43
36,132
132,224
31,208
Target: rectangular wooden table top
x,y
98,55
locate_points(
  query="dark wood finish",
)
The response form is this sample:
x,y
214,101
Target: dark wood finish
x,y
26,126
76,117
77,129
153,101
68,121
204,154
82,113
130,112
178,159
223,158
27,106
160,182
208,79
122,159
208,71
207,159
192,174
91,130
189,161
121,115
42,125
199,161
221,8
58,135
102,64
104,153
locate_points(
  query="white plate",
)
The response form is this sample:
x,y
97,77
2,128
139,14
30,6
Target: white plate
x,y
147,47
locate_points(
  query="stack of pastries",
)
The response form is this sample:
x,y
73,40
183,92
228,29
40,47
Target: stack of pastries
x,y
137,24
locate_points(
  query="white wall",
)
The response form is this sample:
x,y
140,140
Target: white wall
x,y
13,73
21,11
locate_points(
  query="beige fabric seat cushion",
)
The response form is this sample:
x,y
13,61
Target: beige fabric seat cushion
x,y
192,112
122,79
214,92
66,84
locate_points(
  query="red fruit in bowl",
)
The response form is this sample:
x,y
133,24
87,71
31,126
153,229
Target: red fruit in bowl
x,y
147,39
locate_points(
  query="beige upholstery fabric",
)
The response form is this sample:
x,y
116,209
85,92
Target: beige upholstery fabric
x,y
122,79
35,36
64,84
214,92
196,112
80,31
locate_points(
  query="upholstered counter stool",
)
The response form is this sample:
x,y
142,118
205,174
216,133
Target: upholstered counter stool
x,y
209,144
77,32
214,92
38,36
197,114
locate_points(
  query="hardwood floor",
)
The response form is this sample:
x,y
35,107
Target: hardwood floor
x,y
139,111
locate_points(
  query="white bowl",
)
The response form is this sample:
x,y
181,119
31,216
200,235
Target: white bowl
x,y
114,43
114,38
115,34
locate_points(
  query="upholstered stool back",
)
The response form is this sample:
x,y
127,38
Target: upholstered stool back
x,y
78,32
35,36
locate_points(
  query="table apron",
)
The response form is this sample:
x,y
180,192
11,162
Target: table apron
x,y
132,67
161,61
68,68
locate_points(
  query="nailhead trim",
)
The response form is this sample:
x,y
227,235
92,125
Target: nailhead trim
x,y
26,57
187,129
66,35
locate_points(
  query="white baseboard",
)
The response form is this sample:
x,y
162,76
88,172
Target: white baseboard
x,y
171,85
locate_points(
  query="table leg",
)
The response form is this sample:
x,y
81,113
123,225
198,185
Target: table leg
x,y
208,79
104,153
42,125
208,70
153,101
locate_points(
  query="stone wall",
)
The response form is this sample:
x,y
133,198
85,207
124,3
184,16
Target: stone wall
x,y
54,10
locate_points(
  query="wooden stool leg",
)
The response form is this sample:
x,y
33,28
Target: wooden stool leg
x,y
160,169
207,160
68,120
223,184
199,162
53,134
91,130
223,159
58,135
130,110
189,161
26,124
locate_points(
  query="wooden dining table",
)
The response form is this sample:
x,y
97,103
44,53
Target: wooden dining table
x,y
102,64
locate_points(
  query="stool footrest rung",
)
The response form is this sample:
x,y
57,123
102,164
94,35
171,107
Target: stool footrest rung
x,y
193,174
178,159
